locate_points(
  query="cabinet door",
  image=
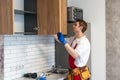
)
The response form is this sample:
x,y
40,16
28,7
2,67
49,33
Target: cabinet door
x,y
63,14
51,16
6,16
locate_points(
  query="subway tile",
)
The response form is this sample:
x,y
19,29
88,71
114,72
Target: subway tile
x,y
8,74
27,53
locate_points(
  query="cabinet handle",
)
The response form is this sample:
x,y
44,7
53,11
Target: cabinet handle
x,y
36,28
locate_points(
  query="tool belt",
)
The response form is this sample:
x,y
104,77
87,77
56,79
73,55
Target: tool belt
x,y
83,72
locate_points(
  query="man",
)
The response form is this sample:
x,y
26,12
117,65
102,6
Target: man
x,y
78,48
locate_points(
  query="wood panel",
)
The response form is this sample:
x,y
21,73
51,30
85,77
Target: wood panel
x,y
42,16
6,16
51,16
63,12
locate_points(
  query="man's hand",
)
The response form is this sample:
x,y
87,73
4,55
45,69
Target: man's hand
x,y
61,38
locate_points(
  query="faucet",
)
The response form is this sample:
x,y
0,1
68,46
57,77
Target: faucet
x,y
53,68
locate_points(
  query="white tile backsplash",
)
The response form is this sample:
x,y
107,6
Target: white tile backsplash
x,y
1,57
24,53
27,53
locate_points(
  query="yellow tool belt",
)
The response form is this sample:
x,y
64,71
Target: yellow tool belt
x,y
84,73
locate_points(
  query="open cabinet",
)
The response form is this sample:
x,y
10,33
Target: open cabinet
x,y
40,16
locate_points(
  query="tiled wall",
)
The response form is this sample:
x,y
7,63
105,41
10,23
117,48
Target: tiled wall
x,y
27,53
1,57
1,54
113,39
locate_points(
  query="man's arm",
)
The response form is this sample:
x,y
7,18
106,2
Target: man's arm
x,y
69,49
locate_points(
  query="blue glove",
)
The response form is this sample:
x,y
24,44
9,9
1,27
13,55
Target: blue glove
x,y
61,38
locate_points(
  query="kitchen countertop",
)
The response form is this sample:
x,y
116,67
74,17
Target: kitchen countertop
x,y
51,76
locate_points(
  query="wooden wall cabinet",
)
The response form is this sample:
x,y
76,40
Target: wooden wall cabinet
x,y
6,17
52,16
41,16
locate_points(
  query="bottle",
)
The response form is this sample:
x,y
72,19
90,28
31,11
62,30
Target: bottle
x,y
42,76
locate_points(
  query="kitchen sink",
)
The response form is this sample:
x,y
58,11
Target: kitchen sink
x,y
54,76
58,71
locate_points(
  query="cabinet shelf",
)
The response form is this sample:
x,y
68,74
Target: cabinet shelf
x,y
26,33
23,12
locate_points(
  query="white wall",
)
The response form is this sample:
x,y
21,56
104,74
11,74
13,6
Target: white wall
x,y
94,12
19,19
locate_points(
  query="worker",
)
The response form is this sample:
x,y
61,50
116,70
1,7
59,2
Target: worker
x,y
78,48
